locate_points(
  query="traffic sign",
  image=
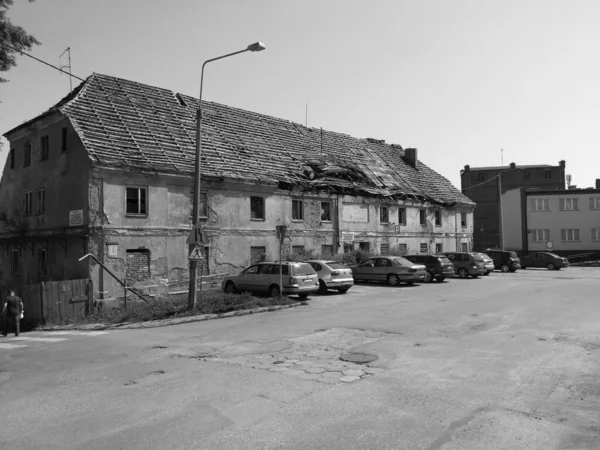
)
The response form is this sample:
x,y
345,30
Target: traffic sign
x,y
197,235
196,253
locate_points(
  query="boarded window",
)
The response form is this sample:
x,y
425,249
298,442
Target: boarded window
x,y
138,265
297,249
385,249
112,250
326,211
297,210
326,250
402,247
257,254
257,208
423,247
137,201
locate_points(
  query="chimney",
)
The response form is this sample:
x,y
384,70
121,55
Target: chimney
x,y
561,164
513,165
597,183
411,155
467,168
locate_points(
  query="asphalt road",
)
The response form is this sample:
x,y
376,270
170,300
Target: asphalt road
x,y
508,361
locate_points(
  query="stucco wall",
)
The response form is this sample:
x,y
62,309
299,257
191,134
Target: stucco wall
x,y
511,220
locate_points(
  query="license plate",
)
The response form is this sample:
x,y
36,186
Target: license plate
x,y
345,283
308,280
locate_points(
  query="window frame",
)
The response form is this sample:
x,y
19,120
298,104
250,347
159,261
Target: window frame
x,y
28,203
401,216
27,155
570,235
547,174
257,247
15,259
594,203
63,139
439,248
568,204
526,175
463,220
40,202
44,148
535,201
423,245
298,214
480,176
328,203
596,231
384,248
437,215
545,235
384,214
324,247
422,217
253,202
139,201
43,262
11,158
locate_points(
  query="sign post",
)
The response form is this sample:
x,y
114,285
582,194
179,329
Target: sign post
x,y
281,232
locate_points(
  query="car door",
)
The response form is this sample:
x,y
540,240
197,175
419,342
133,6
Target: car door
x,y
452,258
383,267
265,278
245,280
365,270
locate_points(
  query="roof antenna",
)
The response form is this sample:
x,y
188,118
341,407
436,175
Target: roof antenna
x,y
68,66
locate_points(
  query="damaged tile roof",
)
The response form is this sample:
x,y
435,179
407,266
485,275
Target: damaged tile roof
x,y
132,125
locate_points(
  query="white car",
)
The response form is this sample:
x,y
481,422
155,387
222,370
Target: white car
x,y
332,275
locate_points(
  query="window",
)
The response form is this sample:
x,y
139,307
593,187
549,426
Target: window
x,y
385,249
540,235
547,173
326,211
423,247
45,148
464,246
257,208
422,217
14,262
257,254
42,258
438,249
11,158
463,220
27,203
27,155
364,247
382,262
348,248
480,177
63,140
326,250
569,234
595,234
540,204
297,210
112,250
594,202
41,202
526,175
297,249
568,204
401,216
202,207
136,201
384,216
438,218
402,247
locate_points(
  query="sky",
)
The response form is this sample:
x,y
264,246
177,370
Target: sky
x,y
459,80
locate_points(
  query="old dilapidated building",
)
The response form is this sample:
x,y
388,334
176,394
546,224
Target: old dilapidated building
x,y
108,170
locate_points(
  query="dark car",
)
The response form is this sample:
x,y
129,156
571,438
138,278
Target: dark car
x,y
438,267
548,260
504,260
389,269
466,263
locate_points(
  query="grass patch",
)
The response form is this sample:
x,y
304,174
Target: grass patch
x,y
171,306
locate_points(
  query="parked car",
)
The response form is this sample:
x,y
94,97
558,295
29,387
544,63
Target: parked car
x,y
332,275
488,263
504,260
466,264
389,269
438,267
298,278
548,260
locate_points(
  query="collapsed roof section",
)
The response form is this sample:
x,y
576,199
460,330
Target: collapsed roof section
x,y
135,126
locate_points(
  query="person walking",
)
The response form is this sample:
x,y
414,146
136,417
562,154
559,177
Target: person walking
x,y
12,310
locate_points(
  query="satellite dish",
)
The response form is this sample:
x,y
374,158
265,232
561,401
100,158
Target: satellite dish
x,y
549,244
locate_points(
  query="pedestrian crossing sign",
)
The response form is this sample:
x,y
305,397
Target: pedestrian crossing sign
x,y
196,253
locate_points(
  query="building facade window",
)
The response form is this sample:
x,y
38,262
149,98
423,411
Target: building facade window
x,y
422,217
464,246
384,214
438,249
364,246
257,208
40,202
438,217
526,175
202,207
11,158
257,254
136,201
27,203
423,247
297,249
594,202
540,235
480,177
547,174
463,220
403,247
384,249
44,148
325,211
297,210
401,216
595,234
27,155
326,250
568,204
43,261
63,139
569,234
540,204
14,262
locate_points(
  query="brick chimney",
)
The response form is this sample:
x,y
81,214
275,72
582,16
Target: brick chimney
x,y
513,165
411,155
562,164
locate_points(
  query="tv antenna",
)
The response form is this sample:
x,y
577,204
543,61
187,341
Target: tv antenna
x,y
67,66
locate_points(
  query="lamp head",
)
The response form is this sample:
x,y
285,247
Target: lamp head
x,y
256,47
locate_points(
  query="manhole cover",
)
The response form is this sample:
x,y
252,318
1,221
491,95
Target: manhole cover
x,y
358,358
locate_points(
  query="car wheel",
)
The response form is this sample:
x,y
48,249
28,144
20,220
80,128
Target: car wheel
x,y
523,267
475,276
393,280
505,268
303,296
463,273
428,277
343,290
488,272
440,279
410,283
513,270
230,287
322,287
274,291
551,266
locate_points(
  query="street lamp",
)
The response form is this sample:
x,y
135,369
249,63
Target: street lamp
x,y
193,288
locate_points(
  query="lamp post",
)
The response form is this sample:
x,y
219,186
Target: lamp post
x,y
193,288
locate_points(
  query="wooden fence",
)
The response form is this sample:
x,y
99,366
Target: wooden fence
x,y
54,301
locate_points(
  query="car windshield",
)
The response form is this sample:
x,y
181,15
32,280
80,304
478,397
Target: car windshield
x,y
403,261
477,258
443,259
336,265
302,269
513,255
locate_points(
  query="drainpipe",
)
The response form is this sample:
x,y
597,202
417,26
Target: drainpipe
x,y
456,229
336,225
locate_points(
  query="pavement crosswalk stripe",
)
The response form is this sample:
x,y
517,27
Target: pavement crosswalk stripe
x,y
10,346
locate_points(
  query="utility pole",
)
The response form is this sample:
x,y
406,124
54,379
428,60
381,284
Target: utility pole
x,y
68,66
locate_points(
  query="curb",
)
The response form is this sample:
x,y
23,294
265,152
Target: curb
x,y
166,322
